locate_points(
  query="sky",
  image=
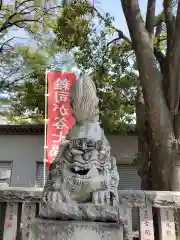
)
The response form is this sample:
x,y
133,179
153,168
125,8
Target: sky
x,y
114,8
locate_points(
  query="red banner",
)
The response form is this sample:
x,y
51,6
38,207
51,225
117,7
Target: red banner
x,y
60,119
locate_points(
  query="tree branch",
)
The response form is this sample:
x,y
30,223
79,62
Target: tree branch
x,y
113,41
120,33
23,12
157,51
168,8
5,43
22,3
150,19
4,27
174,71
160,58
1,3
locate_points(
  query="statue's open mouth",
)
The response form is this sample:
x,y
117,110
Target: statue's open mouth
x,y
80,172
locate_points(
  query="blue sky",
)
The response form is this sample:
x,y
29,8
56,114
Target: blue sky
x,y
104,6
111,6
114,8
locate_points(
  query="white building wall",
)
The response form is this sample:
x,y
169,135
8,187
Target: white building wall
x,y
24,151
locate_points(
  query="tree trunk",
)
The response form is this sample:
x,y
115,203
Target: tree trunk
x,y
163,126
176,172
143,158
158,115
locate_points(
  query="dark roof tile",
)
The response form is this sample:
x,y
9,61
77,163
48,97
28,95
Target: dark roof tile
x,y
32,129
27,129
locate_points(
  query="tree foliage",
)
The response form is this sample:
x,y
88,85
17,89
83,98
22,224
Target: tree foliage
x,y
34,20
32,16
94,53
28,96
84,31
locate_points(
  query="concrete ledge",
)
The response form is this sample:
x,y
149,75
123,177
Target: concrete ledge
x,y
158,199
133,198
20,194
59,230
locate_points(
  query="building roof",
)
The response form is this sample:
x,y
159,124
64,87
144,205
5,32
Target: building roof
x,y
26,129
31,129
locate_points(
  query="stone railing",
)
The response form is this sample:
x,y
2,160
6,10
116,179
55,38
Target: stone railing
x,y
19,206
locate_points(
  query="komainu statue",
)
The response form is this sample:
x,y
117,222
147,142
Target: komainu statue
x,y
83,181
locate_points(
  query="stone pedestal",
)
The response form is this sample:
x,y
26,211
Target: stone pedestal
x,y
43,229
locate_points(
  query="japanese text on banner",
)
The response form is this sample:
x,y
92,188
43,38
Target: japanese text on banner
x,y
60,119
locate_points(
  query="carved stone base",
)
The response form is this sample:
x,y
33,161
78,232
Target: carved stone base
x,y
80,212
61,230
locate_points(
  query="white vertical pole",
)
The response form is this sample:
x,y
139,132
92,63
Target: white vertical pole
x,y
45,126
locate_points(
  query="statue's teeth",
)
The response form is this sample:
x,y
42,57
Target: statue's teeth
x,y
76,169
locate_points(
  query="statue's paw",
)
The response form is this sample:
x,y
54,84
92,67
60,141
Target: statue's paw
x,y
52,196
101,197
115,200
105,197
44,198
